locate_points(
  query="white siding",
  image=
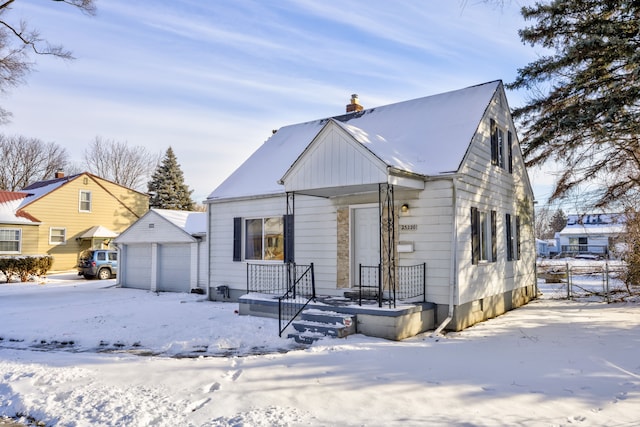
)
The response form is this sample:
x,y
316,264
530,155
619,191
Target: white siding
x,y
334,159
316,239
223,270
489,187
152,228
432,215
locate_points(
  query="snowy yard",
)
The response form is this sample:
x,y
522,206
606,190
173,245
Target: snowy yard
x,y
84,353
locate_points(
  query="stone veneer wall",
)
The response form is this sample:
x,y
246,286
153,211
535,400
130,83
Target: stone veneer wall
x,y
342,279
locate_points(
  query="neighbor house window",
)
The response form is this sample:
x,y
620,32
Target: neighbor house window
x,y
85,201
57,235
483,236
264,239
501,149
10,239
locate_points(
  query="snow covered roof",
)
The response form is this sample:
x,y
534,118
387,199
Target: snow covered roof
x,y
582,230
191,222
98,231
41,188
427,136
594,224
10,202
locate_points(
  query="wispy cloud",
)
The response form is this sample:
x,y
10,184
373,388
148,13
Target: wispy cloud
x,y
213,78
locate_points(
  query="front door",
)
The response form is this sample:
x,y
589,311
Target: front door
x,y
365,240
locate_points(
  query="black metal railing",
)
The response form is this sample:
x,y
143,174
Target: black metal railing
x,y
267,278
370,283
601,250
411,284
298,295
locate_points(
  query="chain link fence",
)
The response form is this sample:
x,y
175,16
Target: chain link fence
x,y
598,281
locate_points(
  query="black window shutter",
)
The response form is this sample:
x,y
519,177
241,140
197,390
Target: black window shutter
x,y
509,234
510,144
517,236
475,238
494,142
494,236
237,239
288,238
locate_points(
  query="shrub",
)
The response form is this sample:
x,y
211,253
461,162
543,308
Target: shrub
x,y
25,266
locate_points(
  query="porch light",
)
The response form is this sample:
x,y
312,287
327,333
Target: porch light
x,y
404,208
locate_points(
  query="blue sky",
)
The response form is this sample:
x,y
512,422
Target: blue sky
x,y
211,79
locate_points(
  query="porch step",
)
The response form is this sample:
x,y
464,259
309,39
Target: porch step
x,y
316,324
368,294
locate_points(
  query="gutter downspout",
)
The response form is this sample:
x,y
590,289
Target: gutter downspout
x,y
454,258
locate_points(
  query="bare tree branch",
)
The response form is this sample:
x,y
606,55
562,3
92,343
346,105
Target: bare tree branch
x,y
130,166
28,160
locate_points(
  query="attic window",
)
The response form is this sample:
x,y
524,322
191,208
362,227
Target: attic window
x,y
501,150
152,225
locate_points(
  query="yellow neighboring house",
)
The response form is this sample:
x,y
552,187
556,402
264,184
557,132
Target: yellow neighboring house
x,y
66,215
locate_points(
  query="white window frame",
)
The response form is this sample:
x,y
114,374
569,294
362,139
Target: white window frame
x,y
64,236
19,240
81,201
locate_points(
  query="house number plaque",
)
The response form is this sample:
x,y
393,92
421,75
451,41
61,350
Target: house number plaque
x,y
408,227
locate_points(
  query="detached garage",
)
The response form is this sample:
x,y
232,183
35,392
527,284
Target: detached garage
x,y
165,250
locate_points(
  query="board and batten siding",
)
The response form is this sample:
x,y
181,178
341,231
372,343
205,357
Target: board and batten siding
x,y
334,159
491,188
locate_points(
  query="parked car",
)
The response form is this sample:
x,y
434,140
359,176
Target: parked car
x,y
98,263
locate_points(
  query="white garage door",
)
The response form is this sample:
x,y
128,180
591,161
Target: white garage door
x,y
174,264
138,267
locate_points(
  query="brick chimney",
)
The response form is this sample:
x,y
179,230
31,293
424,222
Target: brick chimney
x,y
59,174
354,106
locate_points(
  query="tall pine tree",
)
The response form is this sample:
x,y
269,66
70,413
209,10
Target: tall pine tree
x,y
167,187
584,112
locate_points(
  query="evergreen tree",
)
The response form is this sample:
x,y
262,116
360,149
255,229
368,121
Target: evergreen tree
x,y
167,187
558,221
585,107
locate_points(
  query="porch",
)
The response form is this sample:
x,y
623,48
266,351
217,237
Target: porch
x,y
287,292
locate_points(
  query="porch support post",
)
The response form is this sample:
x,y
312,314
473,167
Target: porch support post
x,y
386,209
289,239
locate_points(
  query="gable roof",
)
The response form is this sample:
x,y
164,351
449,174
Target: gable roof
x,y
98,231
40,189
426,136
9,208
194,223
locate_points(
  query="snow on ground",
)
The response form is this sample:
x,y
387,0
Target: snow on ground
x,y
85,353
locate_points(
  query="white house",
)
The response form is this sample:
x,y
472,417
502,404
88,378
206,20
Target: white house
x,y
436,182
165,250
591,234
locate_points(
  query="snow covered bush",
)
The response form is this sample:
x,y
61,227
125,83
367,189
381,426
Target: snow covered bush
x,y
25,266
